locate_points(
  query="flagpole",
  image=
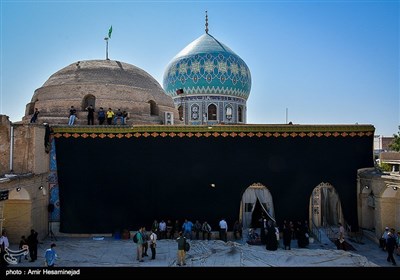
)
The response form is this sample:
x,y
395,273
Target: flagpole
x,y
106,38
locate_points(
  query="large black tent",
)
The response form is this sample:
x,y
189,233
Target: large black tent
x,y
114,178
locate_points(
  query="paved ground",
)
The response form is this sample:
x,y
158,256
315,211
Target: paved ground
x,y
88,258
110,252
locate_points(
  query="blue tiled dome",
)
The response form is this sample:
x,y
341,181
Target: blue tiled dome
x,y
206,66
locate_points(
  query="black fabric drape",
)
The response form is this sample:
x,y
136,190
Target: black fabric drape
x,y
108,184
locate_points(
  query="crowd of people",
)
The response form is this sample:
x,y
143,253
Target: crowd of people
x,y
270,234
29,244
390,242
197,230
108,117
182,233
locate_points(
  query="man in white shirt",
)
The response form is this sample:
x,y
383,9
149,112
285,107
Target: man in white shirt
x,y
223,229
162,226
3,245
153,244
4,240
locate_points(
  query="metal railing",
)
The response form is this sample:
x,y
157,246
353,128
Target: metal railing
x,y
356,236
332,234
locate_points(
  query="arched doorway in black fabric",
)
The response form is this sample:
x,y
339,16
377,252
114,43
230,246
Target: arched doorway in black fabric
x,y
325,206
257,215
256,203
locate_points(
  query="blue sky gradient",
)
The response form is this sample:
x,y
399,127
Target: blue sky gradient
x,y
327,62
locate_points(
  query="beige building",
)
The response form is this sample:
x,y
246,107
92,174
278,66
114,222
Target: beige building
x,y
379,200
24,169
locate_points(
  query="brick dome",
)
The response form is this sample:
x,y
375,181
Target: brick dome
x,y
101,83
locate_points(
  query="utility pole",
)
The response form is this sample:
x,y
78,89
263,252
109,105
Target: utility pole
x,y
287,112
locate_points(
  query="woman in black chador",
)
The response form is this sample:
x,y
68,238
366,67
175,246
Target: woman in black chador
x,y
33,243
263,229
272,242
287,235
302,235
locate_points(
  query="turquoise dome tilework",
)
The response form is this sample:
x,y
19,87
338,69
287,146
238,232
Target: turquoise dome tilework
x,y
206,66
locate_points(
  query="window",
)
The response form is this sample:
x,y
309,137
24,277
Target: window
x,y
180,111
240,114
248,207
153,108
212,112
89,100
228,113
31,108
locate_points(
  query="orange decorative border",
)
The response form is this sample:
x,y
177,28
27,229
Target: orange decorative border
x,y
256,131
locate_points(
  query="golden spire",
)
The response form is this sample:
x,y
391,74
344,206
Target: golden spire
x,y
206,23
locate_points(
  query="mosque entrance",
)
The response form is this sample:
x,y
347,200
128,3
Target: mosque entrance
x,y
256,203
325,206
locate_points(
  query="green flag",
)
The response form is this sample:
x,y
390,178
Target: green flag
x,y
109,32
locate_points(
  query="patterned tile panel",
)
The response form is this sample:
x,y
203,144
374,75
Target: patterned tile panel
x,y
53,179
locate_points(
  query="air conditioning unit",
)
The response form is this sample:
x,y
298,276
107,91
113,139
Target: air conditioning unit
x,y
168,118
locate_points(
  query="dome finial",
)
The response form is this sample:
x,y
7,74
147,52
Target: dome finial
x,y
206,23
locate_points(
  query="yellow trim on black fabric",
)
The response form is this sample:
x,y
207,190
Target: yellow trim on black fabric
x,y
214,131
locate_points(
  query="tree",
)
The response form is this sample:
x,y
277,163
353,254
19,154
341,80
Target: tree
x,y
395,145
386,167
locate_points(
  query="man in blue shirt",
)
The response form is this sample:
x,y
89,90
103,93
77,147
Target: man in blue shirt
x,y
50,255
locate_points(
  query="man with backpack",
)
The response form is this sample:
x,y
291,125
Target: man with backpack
x,y
137,238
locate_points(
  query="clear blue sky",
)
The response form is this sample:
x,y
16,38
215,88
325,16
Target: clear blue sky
x,y
328,62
